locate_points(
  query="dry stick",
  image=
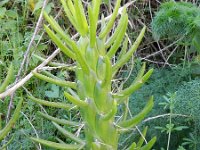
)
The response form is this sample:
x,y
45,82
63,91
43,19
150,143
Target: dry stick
x,y
157,62
160,50
32,127
25,79
156,41
170,55
37,28
132,64
165,48
27,61
157,52
162,116
58,14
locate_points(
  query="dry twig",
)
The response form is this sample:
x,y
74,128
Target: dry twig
x,y
25,79
37,28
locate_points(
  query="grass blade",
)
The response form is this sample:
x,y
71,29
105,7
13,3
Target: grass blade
x,y
75,101
59,43
117,30
135,86
141,140
118,39
150,144
58,29
70,15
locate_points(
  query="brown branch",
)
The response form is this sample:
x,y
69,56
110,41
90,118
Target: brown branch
x,y
165,48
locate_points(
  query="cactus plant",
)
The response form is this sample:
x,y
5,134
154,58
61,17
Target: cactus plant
x,y
92,92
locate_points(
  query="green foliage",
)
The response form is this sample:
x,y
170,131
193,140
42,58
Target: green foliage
x,y
187,102
16,31
174,19
178,20
91,92
11,37
162,81
12,121
4,131
193,141
7,80
170,127
181,20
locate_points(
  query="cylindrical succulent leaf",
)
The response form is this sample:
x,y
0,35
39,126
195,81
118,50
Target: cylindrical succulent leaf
x,y
8,78
121,24
91,55
100,97
107,29
11,122
128,55
101,68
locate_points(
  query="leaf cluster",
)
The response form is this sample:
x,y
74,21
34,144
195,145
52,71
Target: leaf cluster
x,y
162,81
187,102
177,20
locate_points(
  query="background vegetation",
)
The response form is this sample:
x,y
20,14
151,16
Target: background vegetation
x,y
175,83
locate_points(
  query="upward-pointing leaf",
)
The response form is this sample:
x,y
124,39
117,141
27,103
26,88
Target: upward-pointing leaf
x,y
135,120
12,121
59,43
128,55
107,29
8,78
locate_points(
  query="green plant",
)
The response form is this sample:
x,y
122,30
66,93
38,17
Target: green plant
x,y
8,79
92,92
162,81
181,148
12,121
192,141
187,102
178,20
170,127
4,131
14,39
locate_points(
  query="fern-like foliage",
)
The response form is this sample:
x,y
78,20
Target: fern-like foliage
x,y
177,19
162,81
187,101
